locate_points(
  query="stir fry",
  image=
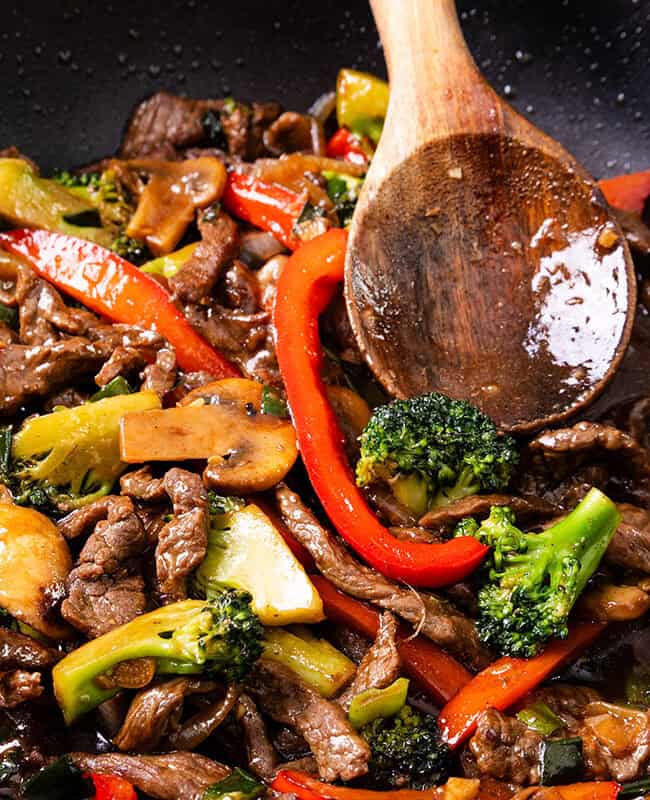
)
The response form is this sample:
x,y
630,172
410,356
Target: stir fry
x,y
230,565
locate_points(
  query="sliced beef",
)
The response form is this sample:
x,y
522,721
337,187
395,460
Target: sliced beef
x,y
261,756
590,436
18,651
165,126
433,617
292,132
556,461
218,246
155,712
141,485
163,777
389,507
243,128
182,543
246,339
380,664
479,505
505,749
28,372
123,361
42,313
164,123
18,686
160,376
82,520
240,288
339,751
630,545
106,588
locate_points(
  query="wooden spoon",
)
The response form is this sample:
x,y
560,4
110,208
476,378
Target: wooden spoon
x,y
483,261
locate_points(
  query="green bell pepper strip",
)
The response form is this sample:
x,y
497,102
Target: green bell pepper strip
x,y
374,703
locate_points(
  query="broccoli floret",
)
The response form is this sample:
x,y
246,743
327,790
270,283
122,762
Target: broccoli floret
x,y
343,190
60,461
532,580
113,208
406,750
221,637
433,450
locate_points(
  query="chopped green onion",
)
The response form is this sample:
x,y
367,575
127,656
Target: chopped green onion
x,y
60,780
273,404
117,386
8,315
6,437
239,785
540,718
634,789
374,703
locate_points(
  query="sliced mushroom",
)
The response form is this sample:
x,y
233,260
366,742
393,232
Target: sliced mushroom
x,y
246,450
34,564
175,189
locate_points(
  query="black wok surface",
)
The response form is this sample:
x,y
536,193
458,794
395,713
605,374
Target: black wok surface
x,y
71,71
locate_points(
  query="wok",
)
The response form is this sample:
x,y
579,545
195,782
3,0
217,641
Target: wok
x,y
71,71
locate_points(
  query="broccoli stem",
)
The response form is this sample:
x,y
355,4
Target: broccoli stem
x,y
584,535
153,635
466,485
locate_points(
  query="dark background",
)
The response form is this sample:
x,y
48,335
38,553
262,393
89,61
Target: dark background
x,y
71,72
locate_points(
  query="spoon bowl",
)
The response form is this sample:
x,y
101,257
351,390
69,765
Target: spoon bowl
x,y
483,261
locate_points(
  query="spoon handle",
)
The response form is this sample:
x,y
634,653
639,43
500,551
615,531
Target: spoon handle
x,y
436,88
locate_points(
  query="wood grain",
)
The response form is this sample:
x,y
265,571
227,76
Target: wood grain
x,y
482,260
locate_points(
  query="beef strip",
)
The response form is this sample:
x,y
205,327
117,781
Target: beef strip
x,y
630,545
141,485
155,712
123,361
164,123
18,651
433,617
82,520
163,777
261,755
18,686
505,749
160,376
246,339
479,505
339,751
610,458
240,288
28,372
218,246
379,666
106,588
182,543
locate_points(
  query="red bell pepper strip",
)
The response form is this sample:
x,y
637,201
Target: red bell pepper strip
x,y
347,145
590,790
430,667
307,284
508,680
110,787
116,289
628,192
304,787
268,206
